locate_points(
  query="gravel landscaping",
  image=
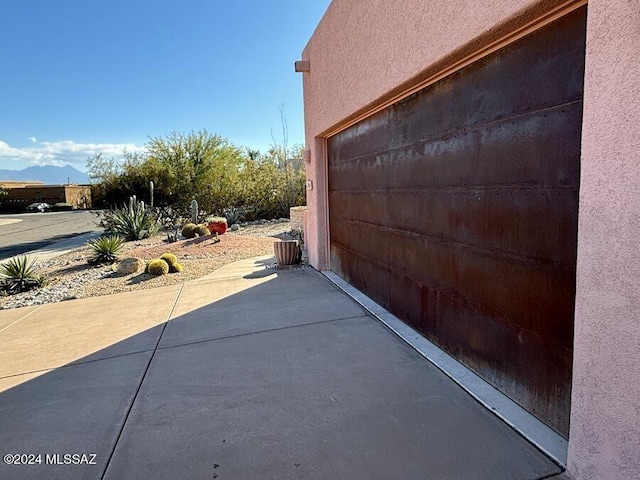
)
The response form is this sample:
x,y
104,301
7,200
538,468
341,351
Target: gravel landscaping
x,y
70,276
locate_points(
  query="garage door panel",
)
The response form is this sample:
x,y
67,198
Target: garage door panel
x,y
526,296
471,337
486,157
503,221
365,207
543,72
364,242
370,276
456,209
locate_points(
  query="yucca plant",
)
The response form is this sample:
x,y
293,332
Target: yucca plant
x,y
105,249
133,221
19,275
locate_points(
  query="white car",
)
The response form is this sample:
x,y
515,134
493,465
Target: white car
x,y
39,207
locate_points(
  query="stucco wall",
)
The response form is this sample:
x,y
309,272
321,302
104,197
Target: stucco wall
x,y
362,51
604,440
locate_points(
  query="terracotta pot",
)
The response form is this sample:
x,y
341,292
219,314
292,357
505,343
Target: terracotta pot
x,y
218,227
286,252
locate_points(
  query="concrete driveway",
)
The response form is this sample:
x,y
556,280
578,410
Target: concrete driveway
x,y
248,373
31,231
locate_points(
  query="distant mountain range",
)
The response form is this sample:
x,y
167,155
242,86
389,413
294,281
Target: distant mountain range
x,y
48,174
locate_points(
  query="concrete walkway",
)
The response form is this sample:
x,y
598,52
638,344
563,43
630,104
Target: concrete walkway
x,y
246,374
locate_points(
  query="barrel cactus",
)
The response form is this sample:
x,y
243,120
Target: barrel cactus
x,y
157,266
188,231
170,258
172,261
202,230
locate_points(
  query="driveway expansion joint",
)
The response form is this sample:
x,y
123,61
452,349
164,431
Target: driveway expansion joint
x,y
76,363
21,318
258,332
144,375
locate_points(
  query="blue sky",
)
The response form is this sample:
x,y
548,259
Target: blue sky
x,y
80,77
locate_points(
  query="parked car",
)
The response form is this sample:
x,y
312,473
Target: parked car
x,y
39,207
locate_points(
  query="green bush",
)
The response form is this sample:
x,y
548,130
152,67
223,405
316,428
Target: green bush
x,y
157,266
105,249
19,275
220,176
133,221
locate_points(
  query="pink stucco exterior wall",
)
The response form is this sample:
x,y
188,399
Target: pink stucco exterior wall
x,y
604,440
363,52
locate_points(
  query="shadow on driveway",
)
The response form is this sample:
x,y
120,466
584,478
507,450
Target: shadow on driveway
x,y
286,379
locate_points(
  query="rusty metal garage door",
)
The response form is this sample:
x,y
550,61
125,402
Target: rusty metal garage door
x,y
457,210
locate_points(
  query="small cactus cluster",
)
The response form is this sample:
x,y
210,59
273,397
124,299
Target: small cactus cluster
x,y
167,263
191,230
172,261
157,266
202,230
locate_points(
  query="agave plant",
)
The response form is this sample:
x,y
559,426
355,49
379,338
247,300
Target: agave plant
x,y
133,221
105,249
233,215
19,275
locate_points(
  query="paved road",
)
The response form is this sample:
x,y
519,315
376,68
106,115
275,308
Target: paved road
x,y
37,230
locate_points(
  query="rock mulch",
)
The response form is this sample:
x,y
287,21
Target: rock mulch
x,y
70,276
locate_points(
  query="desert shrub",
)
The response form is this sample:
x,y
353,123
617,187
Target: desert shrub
x,y
133,221
105,249
157,266
20,275
189,230
270,189
202,230
208,168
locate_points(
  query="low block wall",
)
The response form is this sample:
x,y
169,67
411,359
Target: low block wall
x,y
297,215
